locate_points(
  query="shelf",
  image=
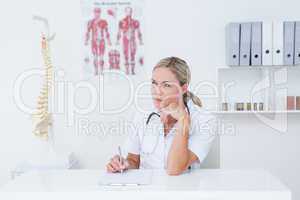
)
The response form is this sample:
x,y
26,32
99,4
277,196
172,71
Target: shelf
x,y
260,67
257,112
255,84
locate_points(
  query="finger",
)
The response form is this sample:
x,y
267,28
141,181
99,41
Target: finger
x,y
110,168
116,165
172,103
113,166
180,100
123,164
167,100
116,158
170,109
119,159
174,98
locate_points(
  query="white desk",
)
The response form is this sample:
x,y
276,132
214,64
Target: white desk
x,y
197,184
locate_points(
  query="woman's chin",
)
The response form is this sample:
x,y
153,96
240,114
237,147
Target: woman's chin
x,y
156,104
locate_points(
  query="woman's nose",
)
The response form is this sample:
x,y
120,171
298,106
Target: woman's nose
x,y
158,90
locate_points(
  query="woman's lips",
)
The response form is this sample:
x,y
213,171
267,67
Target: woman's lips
x,y
157,102
157,99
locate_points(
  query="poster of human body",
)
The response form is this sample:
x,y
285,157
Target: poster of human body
x,y
113,33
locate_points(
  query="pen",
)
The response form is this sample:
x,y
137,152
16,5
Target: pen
x,y
120,157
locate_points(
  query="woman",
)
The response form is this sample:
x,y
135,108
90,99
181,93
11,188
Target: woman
x,y
178,134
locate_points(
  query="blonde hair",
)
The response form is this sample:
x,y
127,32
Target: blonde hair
x,y
182,72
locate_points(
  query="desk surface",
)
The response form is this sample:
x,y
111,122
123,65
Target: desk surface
x,y
214,182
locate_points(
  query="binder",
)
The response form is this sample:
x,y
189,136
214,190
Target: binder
x,y
267,43
233,44
245,44
288,43
256,44
297,43
278,43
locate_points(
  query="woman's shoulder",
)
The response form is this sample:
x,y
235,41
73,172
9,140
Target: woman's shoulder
x,y
202,120
139,116
199,113
143,116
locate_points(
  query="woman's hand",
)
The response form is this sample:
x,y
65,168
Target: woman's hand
x,y
173,106
117,164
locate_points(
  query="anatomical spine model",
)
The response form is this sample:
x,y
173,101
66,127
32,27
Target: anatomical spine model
x,y
42,119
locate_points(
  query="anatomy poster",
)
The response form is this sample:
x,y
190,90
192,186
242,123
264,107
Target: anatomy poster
x,y
113,33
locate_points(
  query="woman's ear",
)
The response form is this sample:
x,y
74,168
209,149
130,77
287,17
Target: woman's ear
x,y
184,88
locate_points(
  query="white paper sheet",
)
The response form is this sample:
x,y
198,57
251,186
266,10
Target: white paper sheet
x,y
129,177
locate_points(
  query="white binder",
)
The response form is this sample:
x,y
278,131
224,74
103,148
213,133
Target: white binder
x,y
288,43
277,43
233,44
267,43
245,44
297,44
256,43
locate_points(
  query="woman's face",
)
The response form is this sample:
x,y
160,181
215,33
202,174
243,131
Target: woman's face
x,y
165,85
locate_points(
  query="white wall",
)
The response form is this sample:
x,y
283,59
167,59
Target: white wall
x,y
191,29
255,145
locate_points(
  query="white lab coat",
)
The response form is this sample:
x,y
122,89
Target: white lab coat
x,y
148,140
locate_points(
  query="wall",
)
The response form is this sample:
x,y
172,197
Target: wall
x,y
191,29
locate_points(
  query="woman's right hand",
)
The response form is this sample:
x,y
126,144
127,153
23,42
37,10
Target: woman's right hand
x,y
117,164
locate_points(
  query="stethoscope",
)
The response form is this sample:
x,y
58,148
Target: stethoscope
x,y
158,115
157,136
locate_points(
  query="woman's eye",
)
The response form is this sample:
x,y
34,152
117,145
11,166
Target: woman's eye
x,y
153,83
167,85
